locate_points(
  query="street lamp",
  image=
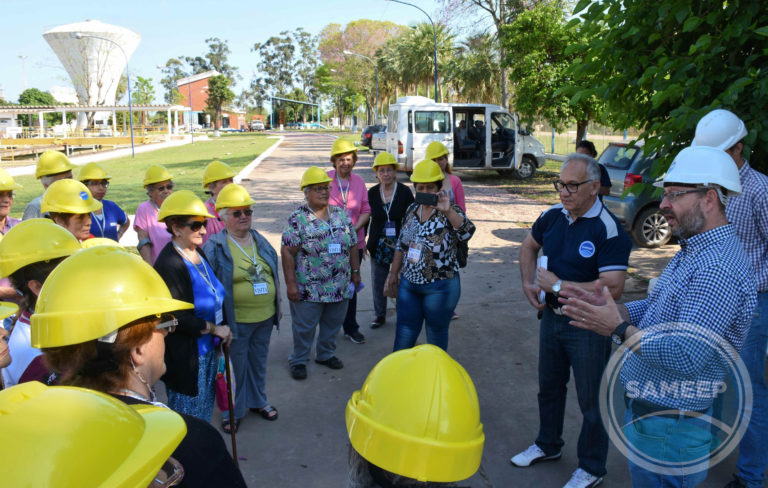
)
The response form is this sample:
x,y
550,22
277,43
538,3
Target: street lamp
x,y
434,36
80,35
376,67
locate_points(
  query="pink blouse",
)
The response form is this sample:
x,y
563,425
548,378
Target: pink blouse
x,y
354,200
215,224
146,219
458,192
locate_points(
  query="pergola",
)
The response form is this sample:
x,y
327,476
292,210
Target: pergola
x,y
173,124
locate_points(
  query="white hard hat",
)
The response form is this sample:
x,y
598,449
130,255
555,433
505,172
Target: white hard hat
x,y
703,165
719,128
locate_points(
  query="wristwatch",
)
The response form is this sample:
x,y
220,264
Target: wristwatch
x,y
617,336
556,287
356,271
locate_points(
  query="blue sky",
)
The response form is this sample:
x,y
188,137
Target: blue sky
x,y
171,28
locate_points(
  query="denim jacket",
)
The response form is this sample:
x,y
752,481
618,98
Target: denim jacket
x,y
217,252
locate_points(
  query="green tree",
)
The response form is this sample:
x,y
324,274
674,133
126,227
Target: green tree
x,y
33,96
276,61
663,65
143,93
172,72
538,59
473,71
217,58
219,95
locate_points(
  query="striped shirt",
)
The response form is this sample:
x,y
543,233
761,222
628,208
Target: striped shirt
x,y
748,213
708,284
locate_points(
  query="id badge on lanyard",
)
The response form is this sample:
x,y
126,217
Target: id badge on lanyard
x,y
260,288
389,229
414,252
219,312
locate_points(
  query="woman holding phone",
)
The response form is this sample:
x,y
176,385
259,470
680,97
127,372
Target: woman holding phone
x,y
425,270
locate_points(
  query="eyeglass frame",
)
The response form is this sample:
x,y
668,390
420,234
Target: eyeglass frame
x,y
168,322
566,185
169,186
320,189
196,225
104,183
672,196
247,212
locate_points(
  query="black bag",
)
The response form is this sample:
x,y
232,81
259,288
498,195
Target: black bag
x,y
462,253
385,251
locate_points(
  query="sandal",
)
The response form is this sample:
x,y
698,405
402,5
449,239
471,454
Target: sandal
x,y
266,412
225,425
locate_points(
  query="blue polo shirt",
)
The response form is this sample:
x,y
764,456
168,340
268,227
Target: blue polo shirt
x,y
579,250
108,223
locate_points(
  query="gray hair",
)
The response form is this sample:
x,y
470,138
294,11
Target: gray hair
x,y
46,180
593,170
359,475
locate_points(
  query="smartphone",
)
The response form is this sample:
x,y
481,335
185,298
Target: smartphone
x,y
426,199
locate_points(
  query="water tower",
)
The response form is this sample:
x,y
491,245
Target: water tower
x,y
94,65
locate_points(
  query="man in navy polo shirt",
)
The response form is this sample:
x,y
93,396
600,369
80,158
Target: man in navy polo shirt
x,y
583,242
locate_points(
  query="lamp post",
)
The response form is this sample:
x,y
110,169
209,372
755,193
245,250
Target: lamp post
x,y
80,35
434,36
376,68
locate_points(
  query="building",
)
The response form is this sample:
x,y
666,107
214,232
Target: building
x,y
195,89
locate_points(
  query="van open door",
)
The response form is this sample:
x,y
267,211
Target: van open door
x,y
505,153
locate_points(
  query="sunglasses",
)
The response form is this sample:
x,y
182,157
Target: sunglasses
x,y
103,183
168,187
196,225
237,213
168,323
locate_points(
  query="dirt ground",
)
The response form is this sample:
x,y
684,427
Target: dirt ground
x,y
495,338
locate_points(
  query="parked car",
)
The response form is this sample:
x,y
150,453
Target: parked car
x,y
379,141
257,125
639,214
367,134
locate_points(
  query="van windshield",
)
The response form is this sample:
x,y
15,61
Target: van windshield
x,y
432,122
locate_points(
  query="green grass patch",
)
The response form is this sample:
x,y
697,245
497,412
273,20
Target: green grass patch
x,y
539,188
186,163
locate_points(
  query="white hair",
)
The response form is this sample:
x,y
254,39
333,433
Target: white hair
x,y
46,180
593,170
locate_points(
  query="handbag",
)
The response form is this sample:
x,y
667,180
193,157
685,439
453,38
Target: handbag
x,y
462,253
385,251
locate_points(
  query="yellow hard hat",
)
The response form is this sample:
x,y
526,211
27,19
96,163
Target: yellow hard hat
x,y
426,171
34,241
93,171
384,159
7,309
52,163
314,175
156,174
341,146
87,438
95,292
435,150
233,195
417,415
182,202
216,171
101,241
69,196
7,183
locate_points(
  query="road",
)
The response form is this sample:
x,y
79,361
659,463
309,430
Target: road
x,y
495,339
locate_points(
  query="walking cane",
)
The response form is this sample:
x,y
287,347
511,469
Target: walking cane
x,y
225,346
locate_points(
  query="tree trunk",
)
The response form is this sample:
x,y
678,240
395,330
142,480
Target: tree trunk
x,y
504,87
581,129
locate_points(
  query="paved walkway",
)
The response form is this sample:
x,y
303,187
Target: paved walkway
x,y
495,339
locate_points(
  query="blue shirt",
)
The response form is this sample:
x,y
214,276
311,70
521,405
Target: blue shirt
x,y
708,284
108,223
209,298
748,213
579,250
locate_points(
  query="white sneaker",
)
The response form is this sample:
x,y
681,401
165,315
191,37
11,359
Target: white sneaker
x,y
531,456
582,479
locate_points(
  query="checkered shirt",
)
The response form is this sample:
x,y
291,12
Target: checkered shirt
x,y
748,213
709,284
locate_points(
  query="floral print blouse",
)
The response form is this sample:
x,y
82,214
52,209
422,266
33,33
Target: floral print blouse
x,y
323,269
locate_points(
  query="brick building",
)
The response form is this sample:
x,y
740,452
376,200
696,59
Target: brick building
x,y
195,88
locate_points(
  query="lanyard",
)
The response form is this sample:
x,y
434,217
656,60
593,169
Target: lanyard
x,y
253,250
321,220
384,202
154,205
344,194
101,221
206,277
421,207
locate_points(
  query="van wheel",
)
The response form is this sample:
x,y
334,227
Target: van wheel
x,y
651,228
527,168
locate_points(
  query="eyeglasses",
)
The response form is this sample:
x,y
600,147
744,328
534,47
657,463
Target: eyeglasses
x,y
321,189
195,225
569,187
103,183
168,187
674,195
170,474
237,213
8,194
167,323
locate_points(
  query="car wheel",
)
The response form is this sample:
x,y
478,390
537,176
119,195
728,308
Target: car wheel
x,y
527,168
651,228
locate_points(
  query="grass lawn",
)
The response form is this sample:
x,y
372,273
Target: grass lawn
x,y
540,187
186,163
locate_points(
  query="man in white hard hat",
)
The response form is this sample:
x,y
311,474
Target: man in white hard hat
x,y
749,215
703,301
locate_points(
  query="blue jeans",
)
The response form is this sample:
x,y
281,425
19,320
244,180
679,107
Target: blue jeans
x,y
431,304
562,347
667,440
753,455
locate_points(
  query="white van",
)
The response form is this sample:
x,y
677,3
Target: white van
x,y
478,136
